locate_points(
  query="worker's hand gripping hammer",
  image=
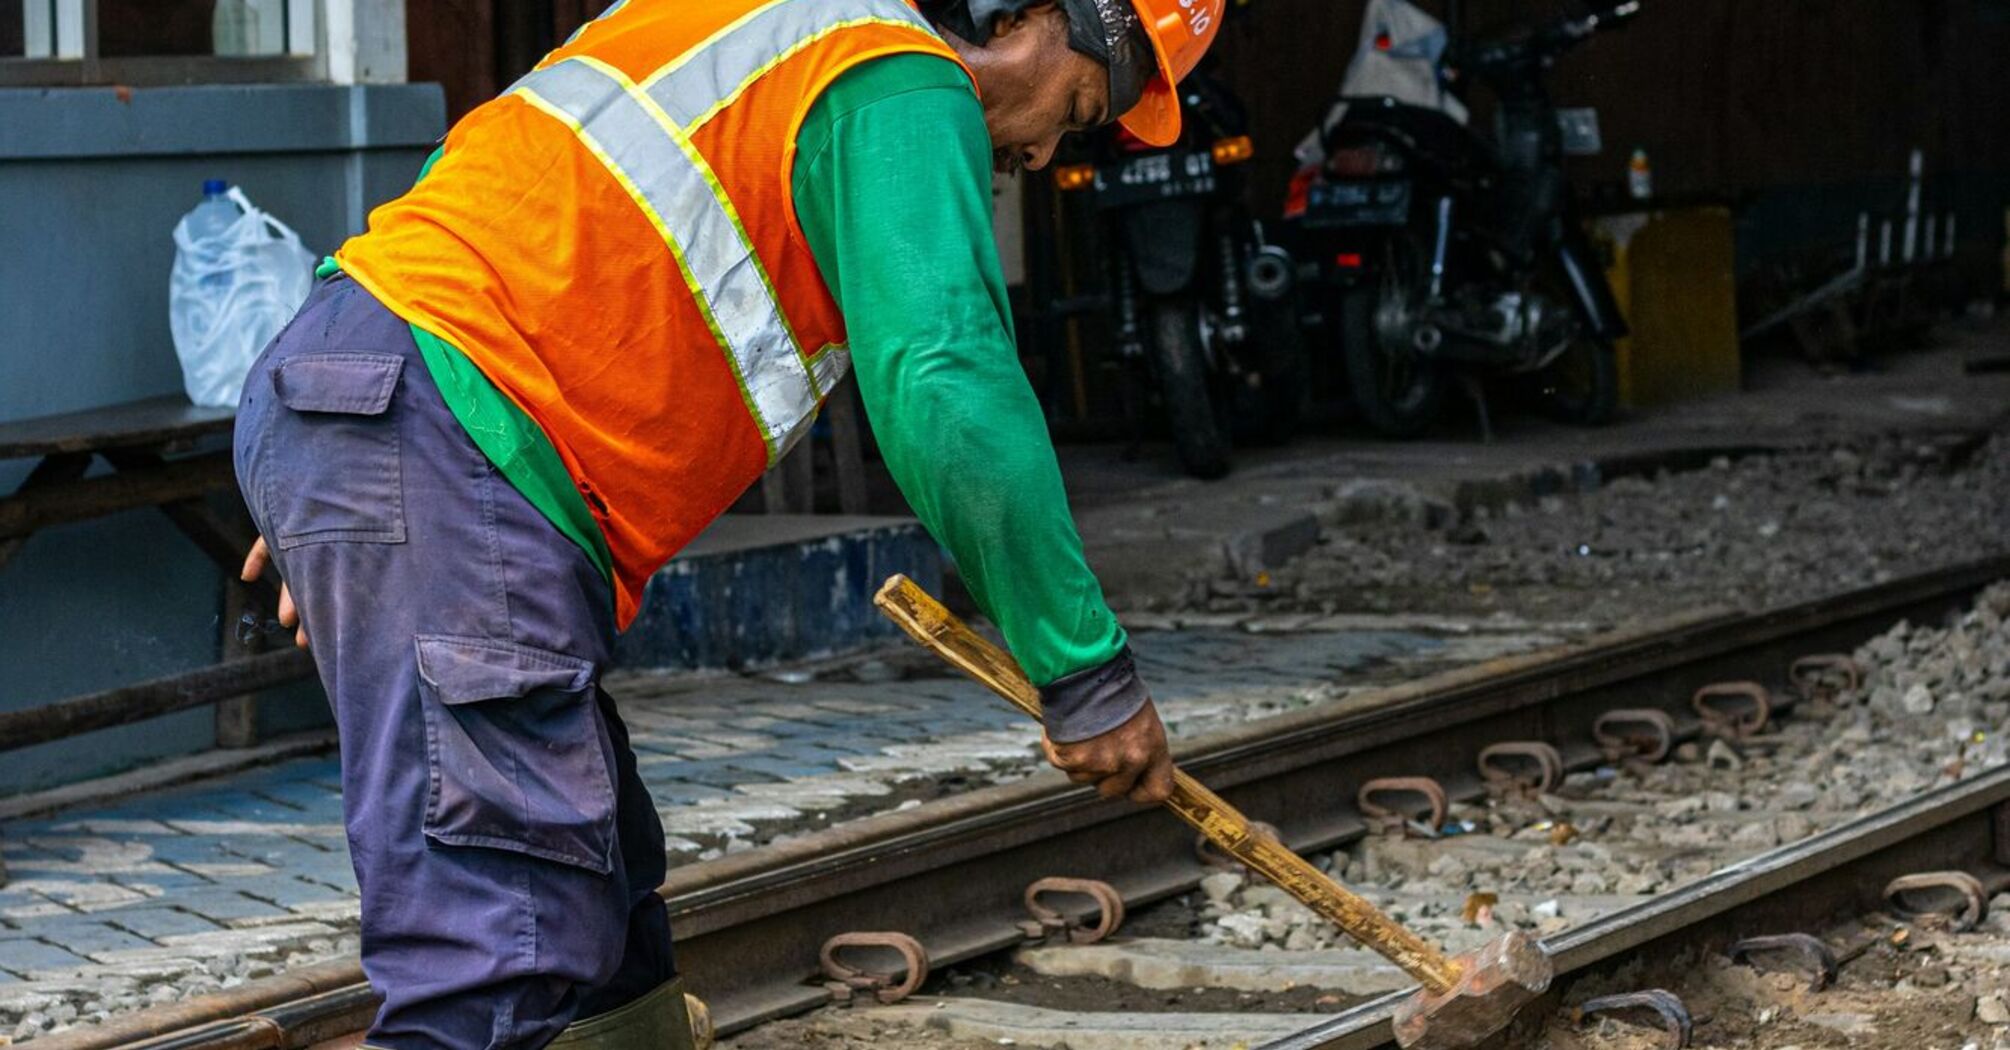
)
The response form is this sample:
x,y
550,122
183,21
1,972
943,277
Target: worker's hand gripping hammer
x,y
1463,999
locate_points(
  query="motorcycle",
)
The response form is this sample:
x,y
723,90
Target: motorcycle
x,y
1197,297
1453,257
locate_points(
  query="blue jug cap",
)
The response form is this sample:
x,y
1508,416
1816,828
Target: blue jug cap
x,y
215,187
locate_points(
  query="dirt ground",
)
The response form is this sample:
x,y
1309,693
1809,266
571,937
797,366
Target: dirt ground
x,y
1914,988
851,1030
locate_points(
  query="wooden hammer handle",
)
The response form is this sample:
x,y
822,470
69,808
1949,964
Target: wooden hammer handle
x,y
927,622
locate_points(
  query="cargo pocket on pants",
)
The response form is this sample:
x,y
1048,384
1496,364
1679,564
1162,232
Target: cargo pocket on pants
x,y
331,472
518,751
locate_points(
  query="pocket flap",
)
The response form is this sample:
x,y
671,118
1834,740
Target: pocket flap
x,y
470,670
352,384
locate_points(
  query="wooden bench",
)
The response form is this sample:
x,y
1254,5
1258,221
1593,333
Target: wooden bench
x,y
161,453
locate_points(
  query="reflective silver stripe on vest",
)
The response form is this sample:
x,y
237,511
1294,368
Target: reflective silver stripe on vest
x,y
712,75
830,367
667,180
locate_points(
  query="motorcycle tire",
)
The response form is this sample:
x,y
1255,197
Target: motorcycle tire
x,y
1582,386
1273,411
1397,403
1200,434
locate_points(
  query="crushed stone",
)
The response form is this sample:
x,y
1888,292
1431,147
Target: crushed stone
x,y
1747,533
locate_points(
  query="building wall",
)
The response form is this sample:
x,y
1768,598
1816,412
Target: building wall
x,y
94,180
1806,110
475,48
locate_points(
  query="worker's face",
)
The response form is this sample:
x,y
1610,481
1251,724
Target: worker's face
x,y
1035,87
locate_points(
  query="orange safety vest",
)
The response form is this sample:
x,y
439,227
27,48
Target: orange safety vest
x,y
613,242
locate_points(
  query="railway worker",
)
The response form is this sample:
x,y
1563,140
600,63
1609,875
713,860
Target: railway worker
x,y
615,298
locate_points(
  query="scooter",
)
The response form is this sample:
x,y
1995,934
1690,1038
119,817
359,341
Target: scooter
x,y
1455,258
1198,299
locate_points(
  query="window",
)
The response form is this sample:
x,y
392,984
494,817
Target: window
x,y
152,42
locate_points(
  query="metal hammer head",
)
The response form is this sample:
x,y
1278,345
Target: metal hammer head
x,y
1494,983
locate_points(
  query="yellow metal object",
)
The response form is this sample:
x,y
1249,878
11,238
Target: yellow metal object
x,y
936,628
1672,272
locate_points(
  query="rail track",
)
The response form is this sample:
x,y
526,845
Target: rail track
x,y
1803,886
951,873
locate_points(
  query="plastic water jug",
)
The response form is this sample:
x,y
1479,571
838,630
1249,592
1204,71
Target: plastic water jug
x,y
239,274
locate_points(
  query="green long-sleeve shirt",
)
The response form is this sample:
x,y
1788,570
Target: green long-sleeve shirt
x,y
892,186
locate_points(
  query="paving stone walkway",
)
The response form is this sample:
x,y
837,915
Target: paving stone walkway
x,y
183,891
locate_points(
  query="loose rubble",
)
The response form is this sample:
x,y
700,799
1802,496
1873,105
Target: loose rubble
x,y
1912,987
1934,705
1749,532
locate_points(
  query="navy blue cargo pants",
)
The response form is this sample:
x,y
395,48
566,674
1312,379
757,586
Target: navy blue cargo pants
x,y
508,854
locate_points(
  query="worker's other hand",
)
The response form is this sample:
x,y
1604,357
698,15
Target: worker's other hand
x,y
1131,761
254,567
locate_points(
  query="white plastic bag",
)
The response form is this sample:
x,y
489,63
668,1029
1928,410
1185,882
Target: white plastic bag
x,y
229,294
1400,55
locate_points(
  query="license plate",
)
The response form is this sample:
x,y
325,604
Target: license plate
x,y
1154,176
1384,202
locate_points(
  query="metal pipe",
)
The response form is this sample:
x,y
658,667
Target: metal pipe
x,y
1444,242
150,699
1916,167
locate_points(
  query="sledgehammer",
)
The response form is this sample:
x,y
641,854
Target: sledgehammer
x,y
1463,1000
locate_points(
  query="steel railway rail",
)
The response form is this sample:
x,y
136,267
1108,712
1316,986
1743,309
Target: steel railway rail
x,y
951,873
1801,886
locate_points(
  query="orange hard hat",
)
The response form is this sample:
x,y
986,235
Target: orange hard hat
x,y
1180,32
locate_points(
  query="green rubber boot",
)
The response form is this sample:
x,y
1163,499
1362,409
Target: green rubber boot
x,y
664,1019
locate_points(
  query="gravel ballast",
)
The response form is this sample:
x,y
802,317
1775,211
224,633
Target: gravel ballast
x,y
1748,533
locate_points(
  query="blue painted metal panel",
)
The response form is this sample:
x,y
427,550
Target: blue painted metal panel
x,y
781,597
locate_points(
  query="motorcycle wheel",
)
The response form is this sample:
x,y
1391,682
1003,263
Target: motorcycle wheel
x,y
1582,385
1200,434
1396,388
1271,412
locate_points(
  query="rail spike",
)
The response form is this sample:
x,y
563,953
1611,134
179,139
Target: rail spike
x,y
1969,904
1393,821
1816,677
1733,710
1676,1024
1821,959
1503,777
1643,733
1047,921
846,980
